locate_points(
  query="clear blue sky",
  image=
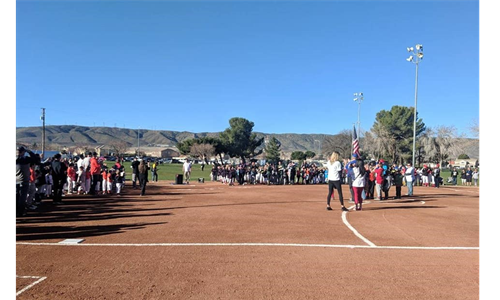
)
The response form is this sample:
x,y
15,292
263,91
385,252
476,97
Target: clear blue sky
x,y
287,66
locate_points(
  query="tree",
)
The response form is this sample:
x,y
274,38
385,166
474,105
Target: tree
x,y
185,147
440,143
202,150
463,156
119,147
474,128
395,129
239,141
298,155
342,143
272,150
310,154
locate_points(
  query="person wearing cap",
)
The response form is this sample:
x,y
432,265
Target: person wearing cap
x,y
409,177
398,181
379,178
350,175
357,170
23,178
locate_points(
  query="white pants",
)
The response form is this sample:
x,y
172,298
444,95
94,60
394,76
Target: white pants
x,y
118,187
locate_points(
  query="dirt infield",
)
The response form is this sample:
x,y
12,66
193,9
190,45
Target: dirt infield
x,y
213,241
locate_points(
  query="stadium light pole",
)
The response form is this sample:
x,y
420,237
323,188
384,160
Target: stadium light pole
x,y
416,57
358,97
138,142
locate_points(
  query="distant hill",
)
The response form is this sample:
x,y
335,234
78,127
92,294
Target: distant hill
x,y
57,137
68,136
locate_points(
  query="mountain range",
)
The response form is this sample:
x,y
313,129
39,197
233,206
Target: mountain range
x,y
57,137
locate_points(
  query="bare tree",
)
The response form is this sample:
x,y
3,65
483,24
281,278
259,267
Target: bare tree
x,y
202,150
474,128
119,147
341,143
380,143
440,142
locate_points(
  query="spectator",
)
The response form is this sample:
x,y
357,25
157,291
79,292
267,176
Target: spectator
x,y
475,176
410,177
23,178
135,172
59,176
143,175
186,168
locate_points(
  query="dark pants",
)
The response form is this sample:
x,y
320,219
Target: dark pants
x,y
386,193
58,189
334,185
95,179
143,179
398,192
21,195
371,189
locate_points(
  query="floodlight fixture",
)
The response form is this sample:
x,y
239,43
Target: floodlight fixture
x,y
418,55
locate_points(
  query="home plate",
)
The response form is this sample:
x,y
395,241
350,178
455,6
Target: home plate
x,y
71,241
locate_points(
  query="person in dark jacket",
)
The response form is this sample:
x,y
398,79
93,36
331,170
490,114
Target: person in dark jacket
x,y
143,175
59,176
23,178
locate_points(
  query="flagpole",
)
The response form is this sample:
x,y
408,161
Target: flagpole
x,y
358,97
352,137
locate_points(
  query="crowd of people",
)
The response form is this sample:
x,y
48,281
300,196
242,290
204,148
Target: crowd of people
x,y
56,177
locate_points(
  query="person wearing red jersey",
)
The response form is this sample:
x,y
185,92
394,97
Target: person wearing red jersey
x,y
95,172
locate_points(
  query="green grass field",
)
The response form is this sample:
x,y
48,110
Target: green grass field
x,y
169,171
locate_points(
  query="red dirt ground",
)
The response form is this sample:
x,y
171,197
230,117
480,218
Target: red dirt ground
x,y
213,241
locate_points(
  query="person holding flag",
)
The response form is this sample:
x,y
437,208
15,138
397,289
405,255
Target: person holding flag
x,y
356,170
355,150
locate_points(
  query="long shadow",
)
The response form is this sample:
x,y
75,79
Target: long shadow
x,y
72,232
80,211
401,207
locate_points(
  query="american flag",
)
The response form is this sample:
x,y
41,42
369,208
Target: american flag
x,y
355,142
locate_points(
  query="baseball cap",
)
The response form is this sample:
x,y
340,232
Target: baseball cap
x,y
21,148
355,155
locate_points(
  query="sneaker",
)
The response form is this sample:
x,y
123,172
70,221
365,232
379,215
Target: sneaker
x,y
32,207
344,209
329,208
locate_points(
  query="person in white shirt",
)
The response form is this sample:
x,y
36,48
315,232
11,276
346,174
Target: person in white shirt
x,y
356,169
410,177
186,168
334,180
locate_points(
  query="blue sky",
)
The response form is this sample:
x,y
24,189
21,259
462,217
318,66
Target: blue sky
x,y
287,66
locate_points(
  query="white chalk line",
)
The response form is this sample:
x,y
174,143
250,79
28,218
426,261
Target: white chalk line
x,y
242,245
40,279
356,233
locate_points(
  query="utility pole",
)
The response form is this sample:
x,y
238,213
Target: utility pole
x,y
42,117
